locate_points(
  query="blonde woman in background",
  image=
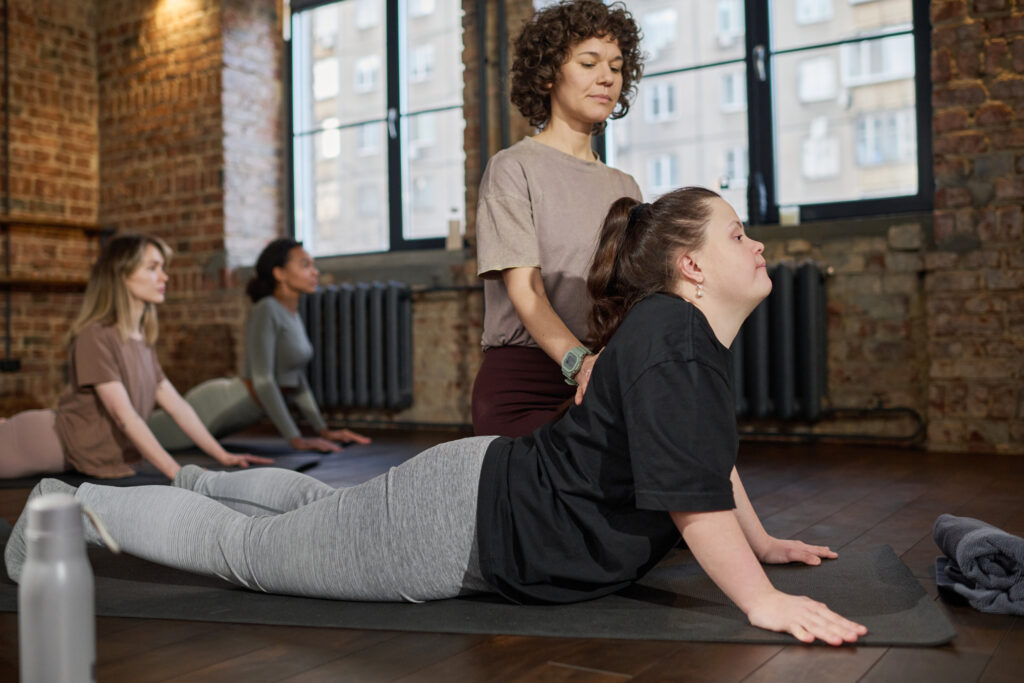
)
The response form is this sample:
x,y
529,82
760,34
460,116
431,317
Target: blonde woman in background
x,y
114,380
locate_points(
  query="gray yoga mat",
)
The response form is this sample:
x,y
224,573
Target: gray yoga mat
x,y
676,601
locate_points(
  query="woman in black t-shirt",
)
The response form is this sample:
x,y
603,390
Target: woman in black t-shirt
x,y
583,507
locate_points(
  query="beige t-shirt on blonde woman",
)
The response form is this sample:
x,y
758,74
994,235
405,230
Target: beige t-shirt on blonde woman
x,y
540,207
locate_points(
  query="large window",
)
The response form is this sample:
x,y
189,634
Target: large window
x,y
377,124
820,104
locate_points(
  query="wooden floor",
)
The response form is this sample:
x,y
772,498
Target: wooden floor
x,y
845,496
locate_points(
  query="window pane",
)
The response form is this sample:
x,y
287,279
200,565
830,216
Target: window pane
x,y
684,34
432,60
338,110
845,122
433,173
346,62
341,198
797,23
433,185
703,142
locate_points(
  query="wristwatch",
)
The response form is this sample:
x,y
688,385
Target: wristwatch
x,y
572,361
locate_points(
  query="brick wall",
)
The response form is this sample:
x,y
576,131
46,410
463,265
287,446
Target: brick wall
x,y
54,175
183,157
975,273
162,166
53,127
171,108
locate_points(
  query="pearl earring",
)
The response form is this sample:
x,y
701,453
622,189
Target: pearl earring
x,y
700,290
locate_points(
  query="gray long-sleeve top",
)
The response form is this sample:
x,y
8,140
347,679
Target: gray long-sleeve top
x,y
277,351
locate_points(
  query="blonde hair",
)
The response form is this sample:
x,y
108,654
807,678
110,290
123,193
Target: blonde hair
x,y
107,299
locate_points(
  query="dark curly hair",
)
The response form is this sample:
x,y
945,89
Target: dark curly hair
x,y
544,45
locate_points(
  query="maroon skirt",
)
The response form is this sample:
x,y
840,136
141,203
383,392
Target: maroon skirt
x,y
517,390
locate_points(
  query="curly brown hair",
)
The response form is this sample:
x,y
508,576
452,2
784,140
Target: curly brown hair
x,y
544,45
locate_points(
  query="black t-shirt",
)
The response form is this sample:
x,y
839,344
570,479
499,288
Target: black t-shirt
x,y
580,508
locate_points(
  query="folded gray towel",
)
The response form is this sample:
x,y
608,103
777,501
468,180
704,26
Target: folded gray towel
x,y
985,565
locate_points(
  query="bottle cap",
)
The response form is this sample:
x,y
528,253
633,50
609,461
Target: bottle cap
x,y
54,515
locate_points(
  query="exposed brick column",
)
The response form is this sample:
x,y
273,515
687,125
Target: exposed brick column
x,y
975,278
163,167
251,109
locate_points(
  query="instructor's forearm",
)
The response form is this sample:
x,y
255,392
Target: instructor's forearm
x,y
548,330
526,292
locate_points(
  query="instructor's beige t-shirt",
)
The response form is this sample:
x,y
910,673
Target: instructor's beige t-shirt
x,y
540,207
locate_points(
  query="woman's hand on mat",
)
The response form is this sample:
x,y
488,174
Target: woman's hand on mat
x,y
344,436
779,551
243,460
583,376
806,619
301,443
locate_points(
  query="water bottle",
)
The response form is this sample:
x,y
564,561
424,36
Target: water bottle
x,y
56,609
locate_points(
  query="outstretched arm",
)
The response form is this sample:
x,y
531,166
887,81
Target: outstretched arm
x,y
168,398
767,548
720,546
306,403
114,398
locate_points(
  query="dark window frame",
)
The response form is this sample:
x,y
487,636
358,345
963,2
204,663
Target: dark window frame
x,y
393,120
762,205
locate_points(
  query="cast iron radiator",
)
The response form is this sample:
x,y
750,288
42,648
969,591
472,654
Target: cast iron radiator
x,y
780,355
362,344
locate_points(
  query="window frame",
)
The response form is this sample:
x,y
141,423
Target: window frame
x,y
762,202
397,147
762,205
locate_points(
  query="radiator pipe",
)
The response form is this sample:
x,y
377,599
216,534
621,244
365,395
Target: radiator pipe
x,y
503,100
908,440
447,288
481,45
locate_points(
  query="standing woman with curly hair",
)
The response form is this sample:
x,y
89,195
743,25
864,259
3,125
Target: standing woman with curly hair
x,y
542,202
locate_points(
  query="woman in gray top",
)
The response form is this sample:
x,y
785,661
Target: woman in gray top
x,y
542,202
277,351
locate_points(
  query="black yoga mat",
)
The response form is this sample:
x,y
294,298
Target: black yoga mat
x,y
284,456
676,601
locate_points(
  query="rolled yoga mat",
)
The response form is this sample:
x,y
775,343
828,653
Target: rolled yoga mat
x,y
676,601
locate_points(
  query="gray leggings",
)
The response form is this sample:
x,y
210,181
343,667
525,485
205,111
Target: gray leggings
x,y
408,534
223,404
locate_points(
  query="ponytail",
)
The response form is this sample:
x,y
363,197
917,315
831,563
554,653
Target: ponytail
x,y
274,255
636,253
